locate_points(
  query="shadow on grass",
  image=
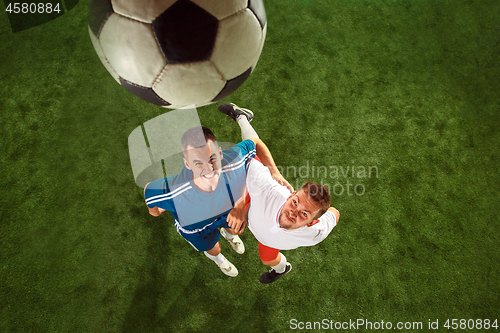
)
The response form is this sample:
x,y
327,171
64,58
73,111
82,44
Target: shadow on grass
x,y
142,315
180,290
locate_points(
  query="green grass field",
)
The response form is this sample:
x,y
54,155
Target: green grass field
x,y
410,88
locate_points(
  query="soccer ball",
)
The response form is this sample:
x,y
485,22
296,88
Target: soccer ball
x,y
175,53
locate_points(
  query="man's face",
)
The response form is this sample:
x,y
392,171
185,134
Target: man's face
x,y
205,162
299,210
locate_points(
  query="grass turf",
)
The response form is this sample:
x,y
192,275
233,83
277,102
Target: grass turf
x,y
409,87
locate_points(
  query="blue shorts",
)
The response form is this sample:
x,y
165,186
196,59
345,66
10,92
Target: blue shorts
x,y
205,238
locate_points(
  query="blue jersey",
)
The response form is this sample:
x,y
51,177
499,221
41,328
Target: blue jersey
x,y
194,210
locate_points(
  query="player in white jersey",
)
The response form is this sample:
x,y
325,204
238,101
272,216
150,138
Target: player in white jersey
x,y
280,218
285,220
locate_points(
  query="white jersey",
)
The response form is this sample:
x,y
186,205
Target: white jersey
x,y
267,199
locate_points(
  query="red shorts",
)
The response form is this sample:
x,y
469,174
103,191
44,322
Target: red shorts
x,y
267,253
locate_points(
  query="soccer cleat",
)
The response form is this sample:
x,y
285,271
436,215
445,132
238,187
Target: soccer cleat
x,y
227,268
233,111
272,275
236,242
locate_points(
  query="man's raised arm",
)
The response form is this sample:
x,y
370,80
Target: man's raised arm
x,y
267,160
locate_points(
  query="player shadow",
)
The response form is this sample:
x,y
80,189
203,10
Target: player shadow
x,y
173,279
179,285
144,306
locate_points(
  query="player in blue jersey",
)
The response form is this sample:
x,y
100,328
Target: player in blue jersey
x,y
208,193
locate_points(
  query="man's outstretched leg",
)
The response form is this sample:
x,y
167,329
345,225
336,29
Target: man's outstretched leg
x,y
242,116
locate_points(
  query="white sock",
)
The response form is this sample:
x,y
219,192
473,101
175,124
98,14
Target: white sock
x,y
228,235
280,268
218,259
247,131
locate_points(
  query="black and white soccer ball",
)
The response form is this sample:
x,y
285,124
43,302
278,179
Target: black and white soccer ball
x,y
175,53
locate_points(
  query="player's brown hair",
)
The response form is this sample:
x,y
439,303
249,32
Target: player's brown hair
x,y
197,137
319,194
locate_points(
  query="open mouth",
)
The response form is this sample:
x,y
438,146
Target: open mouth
x,y
210,175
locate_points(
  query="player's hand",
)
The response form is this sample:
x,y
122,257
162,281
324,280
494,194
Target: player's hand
x,y
282,181
237,219
242,228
